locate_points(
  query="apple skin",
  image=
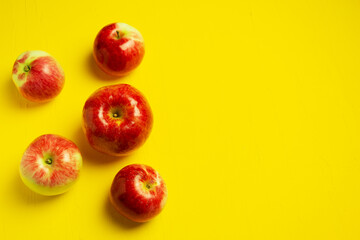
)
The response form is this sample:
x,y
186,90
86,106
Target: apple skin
x,y
138,192
118,49
38,76
50,165
117,119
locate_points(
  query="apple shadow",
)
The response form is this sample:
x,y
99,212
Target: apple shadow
x,y
97,72
18,99
91,155
28,197
118,219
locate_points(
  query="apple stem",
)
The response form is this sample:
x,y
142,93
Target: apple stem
x,y
148,186
26,68
48,161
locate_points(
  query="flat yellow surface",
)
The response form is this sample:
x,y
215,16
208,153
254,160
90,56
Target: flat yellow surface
x,y
256,107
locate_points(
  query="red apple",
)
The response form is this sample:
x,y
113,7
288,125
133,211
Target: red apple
x,y
138,192
38,76
117,119
118,49
50,165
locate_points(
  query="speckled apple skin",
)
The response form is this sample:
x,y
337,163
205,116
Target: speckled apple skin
x,y
138,192
117,136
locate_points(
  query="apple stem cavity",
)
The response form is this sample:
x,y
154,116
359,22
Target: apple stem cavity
x,y
119,35
49,161
27,68
116,113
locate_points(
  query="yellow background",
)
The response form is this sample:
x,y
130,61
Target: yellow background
x,y
256,107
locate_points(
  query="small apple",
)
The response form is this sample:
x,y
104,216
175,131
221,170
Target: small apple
x,y
138,192
50,165
118,49
38,76
117,119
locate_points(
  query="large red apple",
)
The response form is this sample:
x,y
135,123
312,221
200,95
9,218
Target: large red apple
x,y
138,192
118,49
50,165
117,119
38,76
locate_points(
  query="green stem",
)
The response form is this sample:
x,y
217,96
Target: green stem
x,y
48,161
26,68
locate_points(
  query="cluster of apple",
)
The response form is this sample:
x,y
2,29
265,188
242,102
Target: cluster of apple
x,y
117,120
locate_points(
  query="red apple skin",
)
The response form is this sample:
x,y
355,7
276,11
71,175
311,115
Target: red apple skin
x,y
38,76
138,192
50,165
117,119
118,49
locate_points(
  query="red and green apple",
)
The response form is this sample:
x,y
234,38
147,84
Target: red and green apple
x,y
118,49
50,165
138,192
38,76
117,119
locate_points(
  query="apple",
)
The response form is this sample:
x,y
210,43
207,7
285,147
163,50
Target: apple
x,y
118,49
117,119
38,76
138,192
50,165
